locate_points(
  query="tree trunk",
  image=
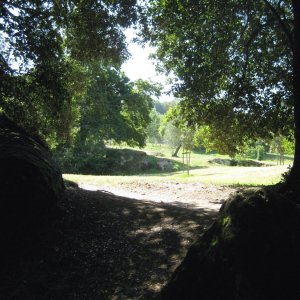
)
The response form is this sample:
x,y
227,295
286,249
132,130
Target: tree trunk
x,y
294,176
175,154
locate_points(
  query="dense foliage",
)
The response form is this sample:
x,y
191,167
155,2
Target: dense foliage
x,y
113,110
233,62
42,46
153,133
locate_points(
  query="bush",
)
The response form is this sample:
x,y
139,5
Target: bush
x,y
100,161
251,153
107,161
85,160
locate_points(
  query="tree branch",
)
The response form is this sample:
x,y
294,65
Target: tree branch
x,y
254,34
281,22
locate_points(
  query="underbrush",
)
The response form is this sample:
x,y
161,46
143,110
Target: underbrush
x,y
110,161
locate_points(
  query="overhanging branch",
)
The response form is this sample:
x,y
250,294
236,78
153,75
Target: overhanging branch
x,y
282,24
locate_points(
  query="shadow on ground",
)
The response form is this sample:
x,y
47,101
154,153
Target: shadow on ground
x,y
104,247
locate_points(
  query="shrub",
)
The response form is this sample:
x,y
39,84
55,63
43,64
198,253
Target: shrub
x,y
85,160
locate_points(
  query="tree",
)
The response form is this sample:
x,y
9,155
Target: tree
x,y
237,63
282,146
177,132
153,133
172,136
41,44
213,138
114,108
170,129
160,107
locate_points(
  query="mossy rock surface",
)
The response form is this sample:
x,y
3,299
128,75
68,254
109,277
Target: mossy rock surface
x,y
250,252
30,183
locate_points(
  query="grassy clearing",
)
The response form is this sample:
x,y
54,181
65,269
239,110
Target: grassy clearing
x,y
231,176
201,171
200,158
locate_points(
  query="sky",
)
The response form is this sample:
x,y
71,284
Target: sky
x,y
140,66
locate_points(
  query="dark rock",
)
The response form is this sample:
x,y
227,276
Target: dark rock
x,y
30,183
250,252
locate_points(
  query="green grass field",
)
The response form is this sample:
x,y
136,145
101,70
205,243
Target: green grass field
x,y
201,171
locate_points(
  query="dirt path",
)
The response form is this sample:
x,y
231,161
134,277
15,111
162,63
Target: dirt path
x,y
187,195
109,247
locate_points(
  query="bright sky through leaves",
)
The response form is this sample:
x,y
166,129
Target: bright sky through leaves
x,y
139,66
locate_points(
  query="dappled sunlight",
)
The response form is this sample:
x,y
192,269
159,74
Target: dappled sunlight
x,y
80,96
127,247
135,244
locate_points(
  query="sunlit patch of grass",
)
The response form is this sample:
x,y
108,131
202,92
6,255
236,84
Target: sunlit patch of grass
x,y
201,171
234,176
240,175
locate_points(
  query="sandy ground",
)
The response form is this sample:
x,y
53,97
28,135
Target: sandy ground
x,y
187,195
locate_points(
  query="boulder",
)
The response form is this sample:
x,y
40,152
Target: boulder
x,y
30,183
252,251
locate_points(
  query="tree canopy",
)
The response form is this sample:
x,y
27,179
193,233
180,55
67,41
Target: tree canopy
x,y
236,63
233,63
42,43
114,108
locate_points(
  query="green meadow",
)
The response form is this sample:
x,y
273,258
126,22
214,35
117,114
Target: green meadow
x,y
202,169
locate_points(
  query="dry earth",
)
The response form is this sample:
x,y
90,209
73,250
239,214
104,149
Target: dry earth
x,y
187,195
107,246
